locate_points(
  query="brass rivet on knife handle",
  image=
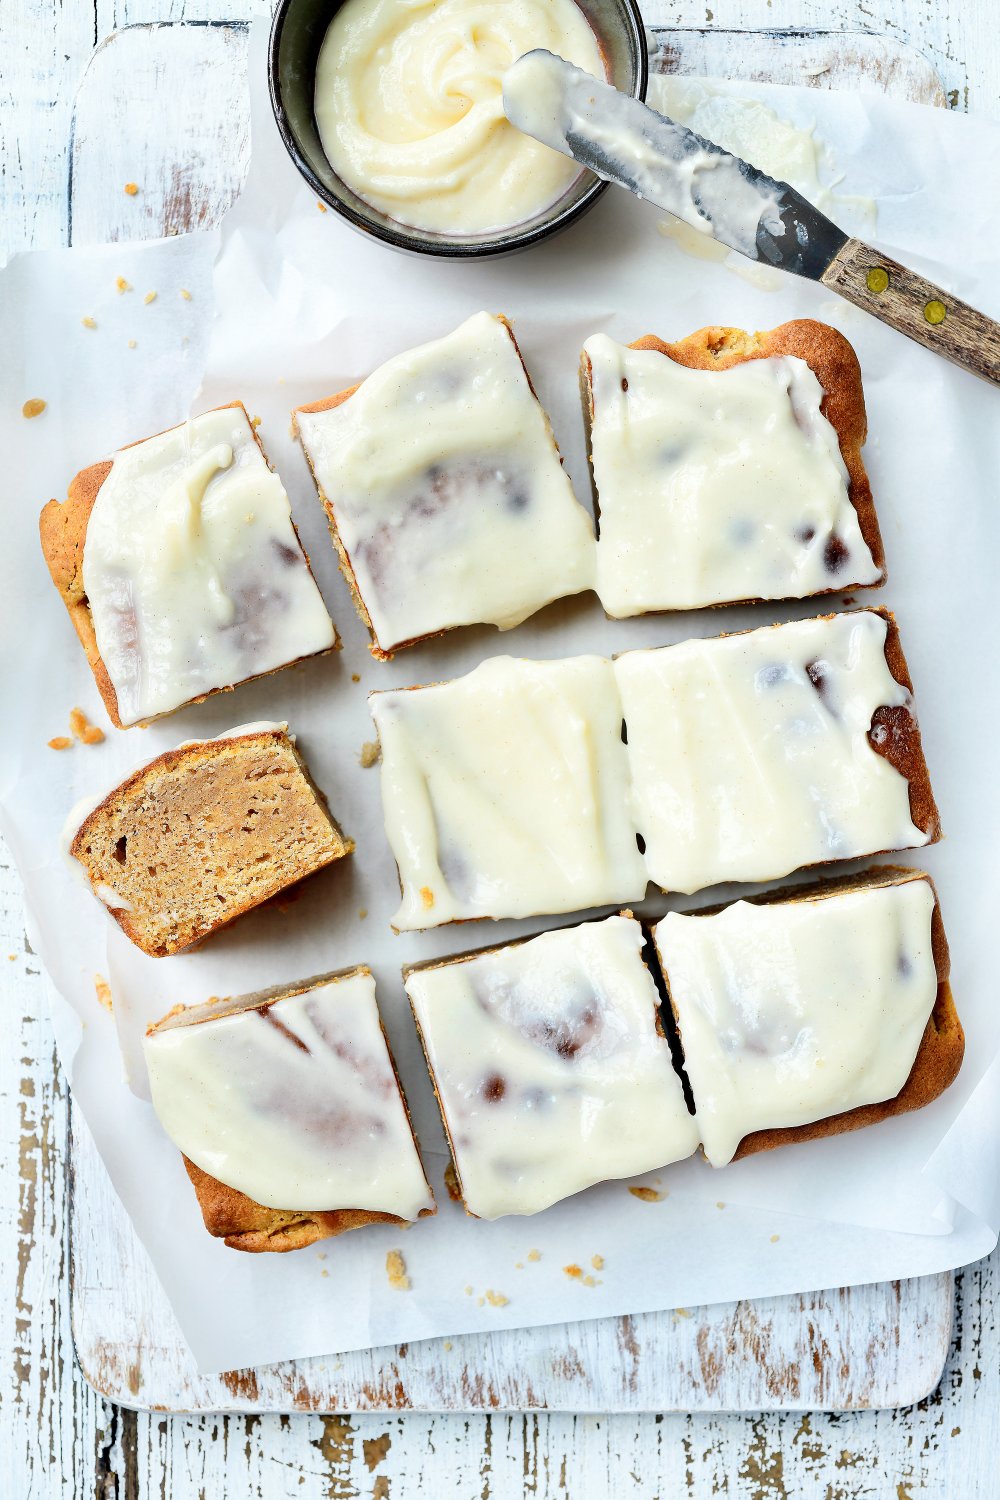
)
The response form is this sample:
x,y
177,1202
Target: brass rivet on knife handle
x,y
916,307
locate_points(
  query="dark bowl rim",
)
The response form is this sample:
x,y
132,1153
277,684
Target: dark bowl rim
x,y
403,239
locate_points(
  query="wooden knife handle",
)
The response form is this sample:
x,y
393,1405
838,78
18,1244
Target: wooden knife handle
x,y
916,307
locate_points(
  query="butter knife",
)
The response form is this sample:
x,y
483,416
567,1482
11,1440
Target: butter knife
x,y
624,141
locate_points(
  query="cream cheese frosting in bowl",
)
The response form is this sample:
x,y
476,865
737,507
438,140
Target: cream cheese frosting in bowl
x,y
406,98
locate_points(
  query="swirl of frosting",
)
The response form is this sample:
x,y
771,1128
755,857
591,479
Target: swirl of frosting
x,y
409,105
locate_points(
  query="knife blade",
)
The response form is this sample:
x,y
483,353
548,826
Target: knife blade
x,y
624,141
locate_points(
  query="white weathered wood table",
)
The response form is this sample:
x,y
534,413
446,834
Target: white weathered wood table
x,y
57,1438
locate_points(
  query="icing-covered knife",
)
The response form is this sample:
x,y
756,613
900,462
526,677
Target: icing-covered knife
x,y
624,141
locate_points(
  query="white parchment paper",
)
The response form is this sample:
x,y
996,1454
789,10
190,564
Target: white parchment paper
x,y
302,308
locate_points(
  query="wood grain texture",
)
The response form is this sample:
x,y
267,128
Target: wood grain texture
x,y
915,306
839,1348
57,1439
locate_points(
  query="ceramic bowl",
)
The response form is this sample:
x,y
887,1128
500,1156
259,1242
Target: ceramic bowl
x,y
296,35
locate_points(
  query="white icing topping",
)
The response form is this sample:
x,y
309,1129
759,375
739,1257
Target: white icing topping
x,y
111,898
549,1068
716,485
192,569
794,1011
447,490
656,159
505,792
295,1105
750,755
410,113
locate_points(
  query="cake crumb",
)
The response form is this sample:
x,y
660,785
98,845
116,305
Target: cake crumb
x,y
131,188
448,1346
89,322
395,1269
321,206
12,957
480,1301
122,285
496,1299
255,422
468,1291
452,1184
775,1238
60,742
681,1312
597,1261
370,754
362,913
34,407
647,1194
589,1280
82,729
149,297
427,895
534,1255
720,1205
179,1009
185,294
519,1265
355,677
103,991
574,1272
131,343
324,1272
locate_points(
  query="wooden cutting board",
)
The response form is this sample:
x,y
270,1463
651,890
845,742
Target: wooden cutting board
x,y
874,1346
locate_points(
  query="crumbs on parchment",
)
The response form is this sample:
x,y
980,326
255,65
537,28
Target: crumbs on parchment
x,y
34,407
370,754
82,729
576,1273
395,1269
131,188
647,1194
103,991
